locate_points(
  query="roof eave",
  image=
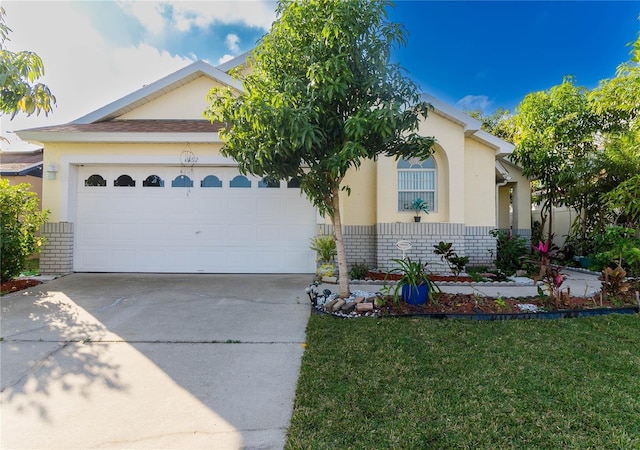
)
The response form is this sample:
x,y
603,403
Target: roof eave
x,y
233,63
41,137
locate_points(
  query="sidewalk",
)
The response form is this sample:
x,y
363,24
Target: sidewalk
x,y
580,284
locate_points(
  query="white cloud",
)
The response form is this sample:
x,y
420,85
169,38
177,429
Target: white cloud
x,y
200,14
232,41
83,70
473,102
225,58
148,13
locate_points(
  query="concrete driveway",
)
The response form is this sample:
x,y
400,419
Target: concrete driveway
x,y
152,361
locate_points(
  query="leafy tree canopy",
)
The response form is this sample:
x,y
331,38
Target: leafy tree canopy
x,y
500,123
18,73
322,96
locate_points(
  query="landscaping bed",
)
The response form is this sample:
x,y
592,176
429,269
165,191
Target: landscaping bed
x,y
17,285
444,305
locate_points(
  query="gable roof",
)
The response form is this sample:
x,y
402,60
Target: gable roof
x,y
233,63
157,89
470,125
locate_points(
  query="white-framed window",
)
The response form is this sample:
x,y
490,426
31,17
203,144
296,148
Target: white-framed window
x,y
417,179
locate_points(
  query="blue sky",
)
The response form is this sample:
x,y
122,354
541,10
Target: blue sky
x,y
472,54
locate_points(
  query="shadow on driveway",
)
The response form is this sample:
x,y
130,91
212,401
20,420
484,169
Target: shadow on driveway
x,y
152,361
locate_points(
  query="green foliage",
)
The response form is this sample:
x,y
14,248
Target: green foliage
x,y
412,273
18,72
501,123
419,205
20,220
619,246
322,96
511,251
325,247
358,271
554,135
625,199
578,146
456,263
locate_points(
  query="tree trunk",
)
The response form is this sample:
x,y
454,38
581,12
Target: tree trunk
x,y
343,271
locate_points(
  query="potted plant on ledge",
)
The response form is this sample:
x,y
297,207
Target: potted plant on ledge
x,y
414,286
419,205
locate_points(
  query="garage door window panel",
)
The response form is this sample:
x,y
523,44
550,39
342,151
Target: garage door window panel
x,y
240,181
268,183
211,181
153,181
182,181
95,180
124,181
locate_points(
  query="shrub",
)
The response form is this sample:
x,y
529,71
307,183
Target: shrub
x,y
511,251
359,271
456,263
325,247
20,220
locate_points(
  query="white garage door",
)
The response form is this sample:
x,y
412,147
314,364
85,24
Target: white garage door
x,y
172,219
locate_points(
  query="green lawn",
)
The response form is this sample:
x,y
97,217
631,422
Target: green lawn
x,y
420,383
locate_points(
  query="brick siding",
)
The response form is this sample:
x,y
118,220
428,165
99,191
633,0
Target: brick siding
x,y
376,245
57,255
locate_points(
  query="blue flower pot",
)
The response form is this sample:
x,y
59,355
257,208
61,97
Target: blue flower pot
x,y
415,295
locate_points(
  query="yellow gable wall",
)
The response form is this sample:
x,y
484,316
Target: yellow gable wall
x,y
465,171
480,185
55,193
188,102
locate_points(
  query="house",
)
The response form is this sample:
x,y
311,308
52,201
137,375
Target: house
x,y
23,166
141,187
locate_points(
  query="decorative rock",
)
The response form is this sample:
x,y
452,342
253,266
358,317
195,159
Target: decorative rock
x,y
337,305
364,307
359,299
329,306
331,280
348,307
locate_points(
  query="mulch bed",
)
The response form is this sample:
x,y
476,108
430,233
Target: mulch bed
x,y
18,285
446,303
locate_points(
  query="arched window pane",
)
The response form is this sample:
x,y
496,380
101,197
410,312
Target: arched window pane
x,y
182,181
153,181
240,181
293,183
95,180
416,179
267,183
211,181
124,180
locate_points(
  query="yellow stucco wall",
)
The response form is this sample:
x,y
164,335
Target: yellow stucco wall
x,y
359,208
186,102
479,184
68,155
465,167
521,200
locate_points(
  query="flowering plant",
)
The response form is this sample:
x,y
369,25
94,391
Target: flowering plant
x,y
549,274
